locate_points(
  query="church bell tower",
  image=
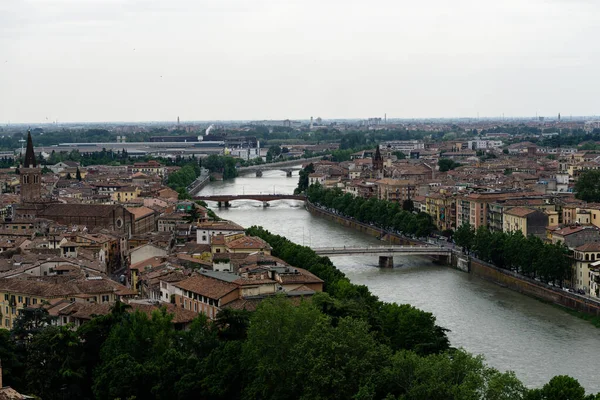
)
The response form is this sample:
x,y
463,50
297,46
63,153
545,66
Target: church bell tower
x,y
30,175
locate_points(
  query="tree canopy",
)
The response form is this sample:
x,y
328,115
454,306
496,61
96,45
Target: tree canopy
x,y
587,186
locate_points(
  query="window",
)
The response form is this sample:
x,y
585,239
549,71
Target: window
x,y
20,300
6,322
105,298
34,301
6,297
196,307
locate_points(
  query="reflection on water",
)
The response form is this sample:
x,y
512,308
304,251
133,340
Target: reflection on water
x,y
512,331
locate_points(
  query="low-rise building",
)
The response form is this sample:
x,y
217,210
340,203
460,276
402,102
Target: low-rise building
x,y
527,220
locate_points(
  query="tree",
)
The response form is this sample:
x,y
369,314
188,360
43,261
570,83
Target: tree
x,y
193,215
30,322
78,174
272,372
68,176
303,179
400,155
587,187
563,387
447,164
464,236
54,364
273,152
408,205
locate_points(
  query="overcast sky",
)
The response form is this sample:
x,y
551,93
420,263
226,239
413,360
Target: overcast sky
x,y
140,60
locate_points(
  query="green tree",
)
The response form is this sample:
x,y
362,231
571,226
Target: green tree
x,y
587,186
193,215
78,174
408,205
563,387
447,164
464,236
54,364
400,155
272,372
303,179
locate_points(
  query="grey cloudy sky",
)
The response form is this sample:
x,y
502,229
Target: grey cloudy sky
x,y
139,60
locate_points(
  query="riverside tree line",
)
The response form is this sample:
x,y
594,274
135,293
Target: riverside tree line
x,y
529,256
343,343
380,213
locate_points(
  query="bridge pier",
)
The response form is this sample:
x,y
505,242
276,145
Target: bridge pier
x,y
227,204
288,173
265,204
219,204
258,173
386,262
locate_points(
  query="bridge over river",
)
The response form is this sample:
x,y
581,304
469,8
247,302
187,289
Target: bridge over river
x,y
226,199
385,253
287,166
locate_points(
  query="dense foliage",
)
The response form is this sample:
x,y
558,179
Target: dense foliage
x,y
224,165
182,178
587,186
528,256
303,180
447,164
381,213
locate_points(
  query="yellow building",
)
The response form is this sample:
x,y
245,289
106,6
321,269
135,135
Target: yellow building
x,y
239,243
125,194
16,293
442,208
527,220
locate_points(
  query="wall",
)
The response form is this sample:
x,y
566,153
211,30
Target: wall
x,y
533,288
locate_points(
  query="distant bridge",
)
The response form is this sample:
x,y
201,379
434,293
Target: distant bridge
x,y
385,253
226,199
287,166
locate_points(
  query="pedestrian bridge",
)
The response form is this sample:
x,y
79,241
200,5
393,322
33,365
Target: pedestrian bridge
x,y
383,251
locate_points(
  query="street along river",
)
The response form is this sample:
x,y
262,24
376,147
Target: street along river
x,y
513,332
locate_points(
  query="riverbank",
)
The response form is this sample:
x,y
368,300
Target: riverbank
x,y
538,290
198,184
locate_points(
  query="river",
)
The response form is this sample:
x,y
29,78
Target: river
x,y
513,332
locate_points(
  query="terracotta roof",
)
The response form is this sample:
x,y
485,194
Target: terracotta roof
x,y
205,286
248,242
61,287
298,275
148,263
84,210
593,246
520,211
569,230
140,212
220,226
88,310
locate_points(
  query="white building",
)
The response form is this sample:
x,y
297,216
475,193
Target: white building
x,y
405,146
207,230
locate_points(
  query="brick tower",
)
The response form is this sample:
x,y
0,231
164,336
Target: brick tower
x,y
30,175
